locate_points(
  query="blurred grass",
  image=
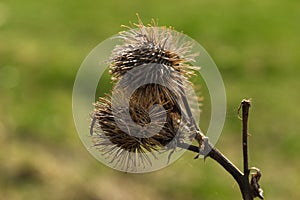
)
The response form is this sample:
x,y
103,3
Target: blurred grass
x,y
255,44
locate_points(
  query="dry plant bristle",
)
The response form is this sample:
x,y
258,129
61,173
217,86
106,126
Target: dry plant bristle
x,y
161,53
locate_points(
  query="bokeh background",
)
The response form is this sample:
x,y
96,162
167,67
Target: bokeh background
x,y
255,44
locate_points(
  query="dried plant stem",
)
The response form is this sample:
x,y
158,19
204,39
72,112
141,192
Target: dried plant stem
x,y
241,178
245,112
245,188
216,155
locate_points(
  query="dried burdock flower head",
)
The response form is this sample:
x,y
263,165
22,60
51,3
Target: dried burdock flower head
x,y
151,44
147,112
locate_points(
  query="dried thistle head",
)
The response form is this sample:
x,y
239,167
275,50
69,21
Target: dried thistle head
x,y
145,112
151,44
128,151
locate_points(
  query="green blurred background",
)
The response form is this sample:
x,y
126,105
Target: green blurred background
x,y
255,44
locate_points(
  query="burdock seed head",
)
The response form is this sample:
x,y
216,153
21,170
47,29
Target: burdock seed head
x,y
151,44
145,112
